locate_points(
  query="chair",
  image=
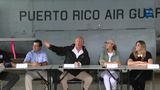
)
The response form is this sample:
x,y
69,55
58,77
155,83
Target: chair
x,y
56,79
123,80
100,80
44,83
76,81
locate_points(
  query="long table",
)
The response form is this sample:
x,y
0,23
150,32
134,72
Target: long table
x,y
98,67
50,70
87,67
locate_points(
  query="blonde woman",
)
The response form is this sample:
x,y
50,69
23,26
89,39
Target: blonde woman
x,y
110,55
139,57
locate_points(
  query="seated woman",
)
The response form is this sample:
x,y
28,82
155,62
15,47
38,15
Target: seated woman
x,y
139,57
110,55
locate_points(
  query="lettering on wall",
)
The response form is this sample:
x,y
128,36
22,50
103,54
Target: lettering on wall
x,y
80,15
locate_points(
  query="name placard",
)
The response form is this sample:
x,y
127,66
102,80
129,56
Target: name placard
x,y
69,66
22,65
112,66
153,66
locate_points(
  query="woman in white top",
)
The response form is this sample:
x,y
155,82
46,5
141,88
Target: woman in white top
x,y
110,55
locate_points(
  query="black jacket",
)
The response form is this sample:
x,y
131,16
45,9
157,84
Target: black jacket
x,y
70,57
4,57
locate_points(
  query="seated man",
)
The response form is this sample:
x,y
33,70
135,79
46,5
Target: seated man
x,y
7,76
74,54
36,57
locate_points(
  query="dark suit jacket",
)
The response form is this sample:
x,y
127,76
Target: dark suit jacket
x,y
70,57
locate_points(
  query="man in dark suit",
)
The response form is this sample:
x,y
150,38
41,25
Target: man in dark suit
x,y
75,54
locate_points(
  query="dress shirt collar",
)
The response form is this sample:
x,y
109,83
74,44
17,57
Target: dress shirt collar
x,y
75,51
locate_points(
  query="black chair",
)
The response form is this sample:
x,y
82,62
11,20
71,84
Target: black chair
x,y
124,80
43,83
76,81
56,79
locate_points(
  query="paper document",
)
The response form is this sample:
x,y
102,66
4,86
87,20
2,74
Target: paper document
x,y
112,65
22,65
153,66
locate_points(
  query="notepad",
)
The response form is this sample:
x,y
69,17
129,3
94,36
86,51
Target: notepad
x,y
153,66
22,65
112,66
69,66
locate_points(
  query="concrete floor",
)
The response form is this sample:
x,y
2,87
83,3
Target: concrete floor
x,y
150,85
